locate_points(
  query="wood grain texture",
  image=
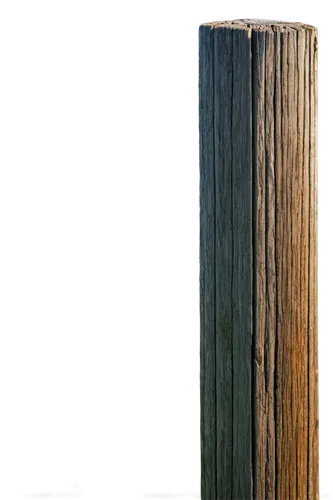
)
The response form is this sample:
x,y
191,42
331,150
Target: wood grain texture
x,y
259,242
258,254
279,214
313,488
242,265
301,279
270,326
207,259
223,44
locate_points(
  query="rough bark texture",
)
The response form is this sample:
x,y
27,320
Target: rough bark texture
x,y
258,260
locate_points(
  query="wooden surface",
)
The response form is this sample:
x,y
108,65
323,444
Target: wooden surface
x,y
258,260
207,267
223,205
241,264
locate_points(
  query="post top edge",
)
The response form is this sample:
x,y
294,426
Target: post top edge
x,y
260,25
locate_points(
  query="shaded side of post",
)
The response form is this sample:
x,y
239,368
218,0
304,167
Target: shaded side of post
x,y
223,76
226,207
207,266
242,266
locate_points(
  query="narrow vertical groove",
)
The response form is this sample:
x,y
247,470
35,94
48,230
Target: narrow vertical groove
x,y
290,316
232,269
259,259
298,351
302,264
285,255
214,257
250,260
254,281
293,298
309,491
266,336
306,161
269,261
299,472
276,142
306,62
252,444
278,246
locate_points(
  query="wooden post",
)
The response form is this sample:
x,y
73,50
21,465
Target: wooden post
x,y
258,260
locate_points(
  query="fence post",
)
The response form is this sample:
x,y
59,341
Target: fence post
x,y
258,260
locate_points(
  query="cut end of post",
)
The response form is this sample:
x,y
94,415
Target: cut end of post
x,y
260,25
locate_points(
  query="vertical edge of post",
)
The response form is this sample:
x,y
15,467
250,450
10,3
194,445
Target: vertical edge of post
x,y
223,176
207,263
242,264
259,261
313,493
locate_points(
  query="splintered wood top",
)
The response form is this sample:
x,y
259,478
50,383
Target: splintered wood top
x,y
260,25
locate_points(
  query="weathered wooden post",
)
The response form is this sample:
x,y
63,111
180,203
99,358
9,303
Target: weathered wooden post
x,y
258,260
